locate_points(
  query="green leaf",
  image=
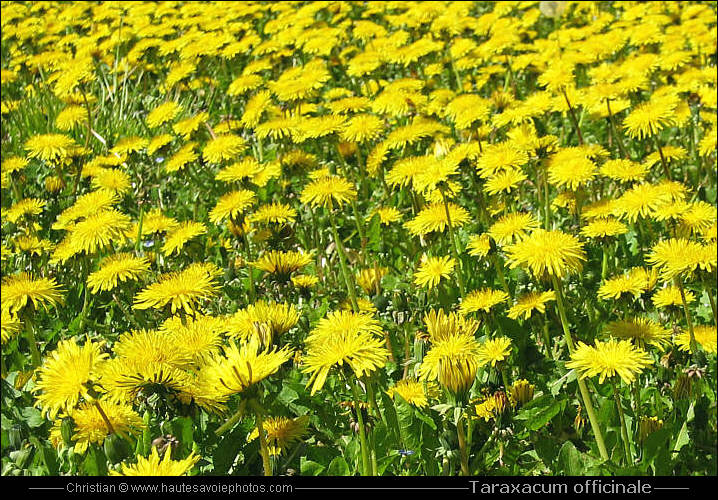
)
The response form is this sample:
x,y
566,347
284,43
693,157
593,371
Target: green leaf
x,y
338,467
287,395
391,417
569,460
229,446
425,418
47,454
33,417
682,439
429,445
540,411
309,467
546,449
654,443
95,463
183,430
405,416
374,234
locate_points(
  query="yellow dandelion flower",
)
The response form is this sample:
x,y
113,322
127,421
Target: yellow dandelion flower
x,y
156,466
116,269
158,142
282,264
181,158
570,172
453,362
649,118
433,218
547,252
502,156
494,351
162,114
49,147
609,359
414,392
670,296
19,289
512,227
69,117
129,145
242,366
98,231
246,168
91,428
281,432
328,191
10,325
24,208
112,179
85,206
274,213
343,337
530,302
440,325
188,126
679,257
180,235
181,290
232,205
432,269
624,170
641,330
506,180
482,300
370,279
387,215
267,320
604,228
362,128
706,337
65,373
479,245
223,147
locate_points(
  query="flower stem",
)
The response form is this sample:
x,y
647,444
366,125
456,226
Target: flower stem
x,y
231,421
138,243
362,431
505,379
454,244
343,264
500,273
362,172
712,301
663,158
547,202
585,396
604,266
127,314
624,429
32,341
616,136
78,176
264,451
572,113
102,413
463,452
693,345
249,267
547,339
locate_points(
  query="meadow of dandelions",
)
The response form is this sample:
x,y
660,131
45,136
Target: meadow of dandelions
x,y
358,238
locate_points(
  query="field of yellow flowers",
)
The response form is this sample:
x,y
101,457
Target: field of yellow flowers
x,y
358,238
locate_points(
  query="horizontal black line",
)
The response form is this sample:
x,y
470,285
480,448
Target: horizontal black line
x,y
380,488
